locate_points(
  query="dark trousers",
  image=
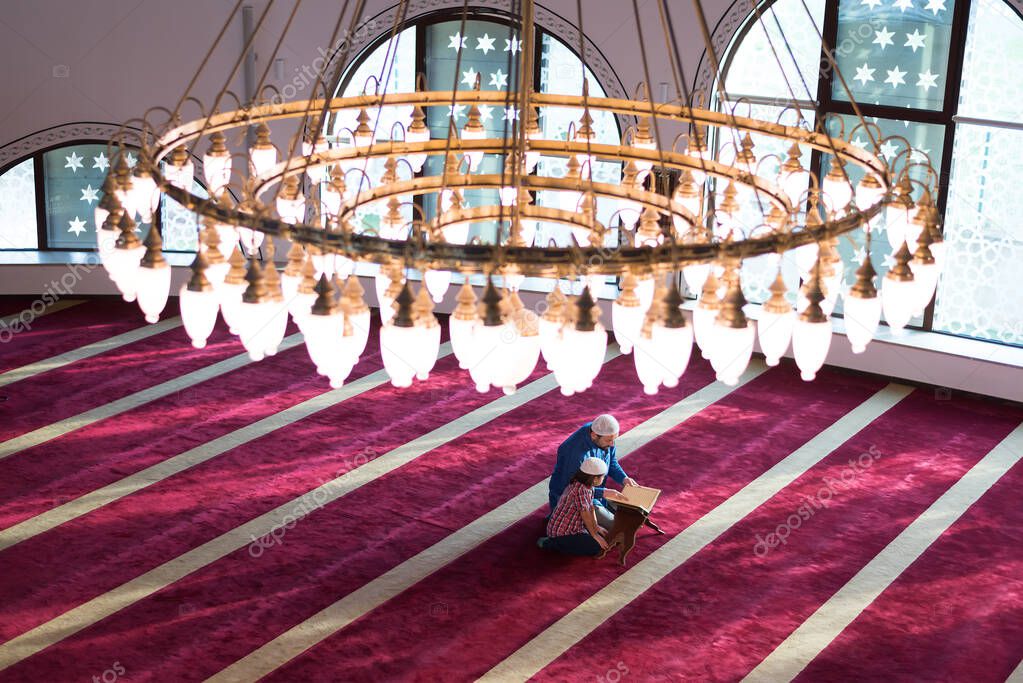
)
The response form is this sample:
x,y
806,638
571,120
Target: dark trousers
x,y
573,544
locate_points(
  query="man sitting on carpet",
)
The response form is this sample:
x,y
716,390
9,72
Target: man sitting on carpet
x,y
593,440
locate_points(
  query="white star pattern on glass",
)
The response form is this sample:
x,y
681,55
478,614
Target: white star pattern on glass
x,y
511,113
889,261
101,162
903,5
74,162
457,41
499,79
871,3
512,45
89,194
486,112
920,155
895,77
935,6
884,37
455,110
130,159
915,40
77,226
485,44
888,150
858,142
927,80
469,77
864,74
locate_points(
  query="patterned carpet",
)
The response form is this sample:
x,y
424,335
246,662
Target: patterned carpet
x,y
168,514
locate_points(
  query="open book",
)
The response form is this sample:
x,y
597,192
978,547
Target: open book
x,y
641,497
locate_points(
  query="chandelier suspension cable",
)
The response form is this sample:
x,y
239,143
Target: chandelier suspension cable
x,y
718,80
205,61
258,90
678,72
833,65
234,71
816,108
511,154
646,75
452,124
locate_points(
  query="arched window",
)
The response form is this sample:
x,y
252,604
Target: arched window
x,y
944,75
488,46
48,201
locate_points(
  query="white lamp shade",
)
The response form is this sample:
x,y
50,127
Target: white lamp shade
x,y
331,200
867,196
322,336
731,352
416,161
578,369
897,300
397,347
673,347
145,197
513,281
486,352
263,159
216,169
648,368
216,273
925,277
182,176
230,297
552,343
198,314
861,320
123,267
100,214
695,276
795,184
291,210
704,329
228,239
251,240
774,330
153,289
456,233
806,257
426,350
519,360
460,333
810,344
626,323
360,323
253,323
896,219
837,193
645,292
275,328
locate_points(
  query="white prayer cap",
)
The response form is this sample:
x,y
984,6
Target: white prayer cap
x,y
605,425
594,466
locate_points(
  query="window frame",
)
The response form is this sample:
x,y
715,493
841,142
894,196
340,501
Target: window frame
x,y
828,106
42,218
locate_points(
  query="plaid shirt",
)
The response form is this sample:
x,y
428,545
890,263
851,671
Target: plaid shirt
x,y
567,518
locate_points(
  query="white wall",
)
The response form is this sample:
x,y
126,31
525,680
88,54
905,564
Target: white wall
x,y
70,61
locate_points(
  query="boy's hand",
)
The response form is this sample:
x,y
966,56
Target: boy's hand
x,y
600,540
612,495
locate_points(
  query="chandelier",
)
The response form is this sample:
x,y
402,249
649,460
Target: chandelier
x,y
315,192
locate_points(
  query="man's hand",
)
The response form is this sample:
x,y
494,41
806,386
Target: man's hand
x,y
629,481
600,540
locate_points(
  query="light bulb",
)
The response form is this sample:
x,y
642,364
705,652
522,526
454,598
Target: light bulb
x,y
774,330
810,344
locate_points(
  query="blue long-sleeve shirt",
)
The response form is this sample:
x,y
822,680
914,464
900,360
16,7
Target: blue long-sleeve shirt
x,y
571,454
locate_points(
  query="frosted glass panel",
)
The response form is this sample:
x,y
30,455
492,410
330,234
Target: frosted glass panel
x,y
754,68
981,290
992,87
18,207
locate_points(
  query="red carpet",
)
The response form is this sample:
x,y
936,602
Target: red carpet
x,y
714,618
68,329
743,605
533,588
967,589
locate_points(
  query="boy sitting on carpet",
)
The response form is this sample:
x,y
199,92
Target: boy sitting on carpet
x,y
573,527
